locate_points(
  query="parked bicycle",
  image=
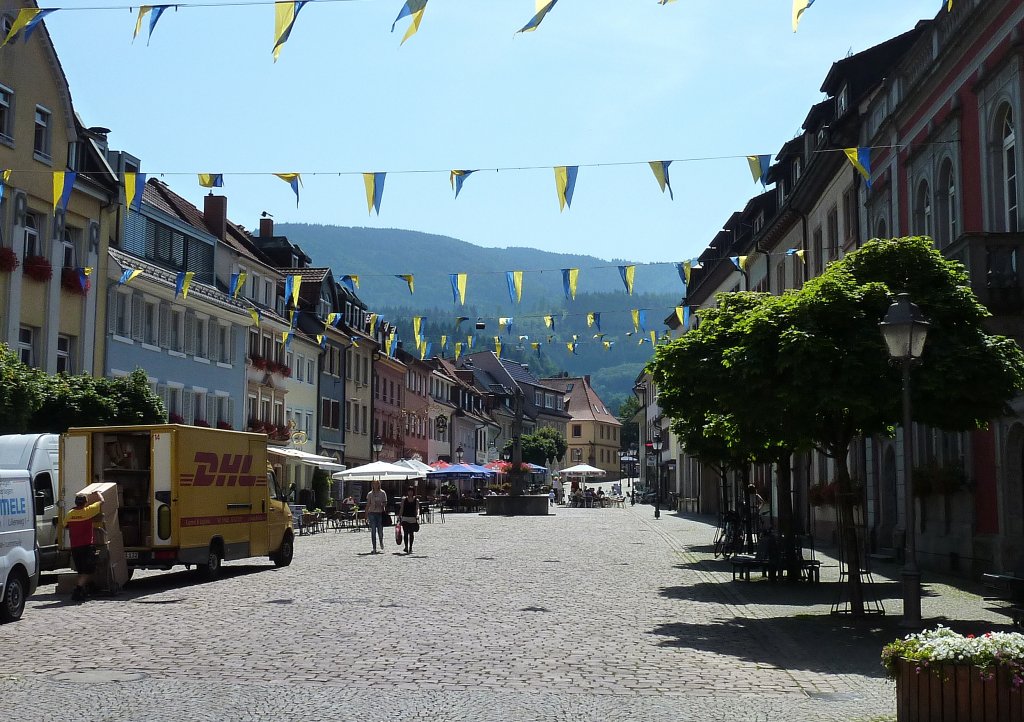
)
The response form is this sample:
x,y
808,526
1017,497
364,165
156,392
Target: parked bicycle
x,y
729,536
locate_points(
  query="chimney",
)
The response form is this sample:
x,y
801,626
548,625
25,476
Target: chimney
x,y
586,378
266,229
215,214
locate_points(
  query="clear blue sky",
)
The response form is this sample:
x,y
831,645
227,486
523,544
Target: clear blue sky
x,y
601,81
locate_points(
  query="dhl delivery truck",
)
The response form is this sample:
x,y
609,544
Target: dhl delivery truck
x,y
187,495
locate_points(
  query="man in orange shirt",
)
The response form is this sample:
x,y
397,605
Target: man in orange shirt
x,y
80,526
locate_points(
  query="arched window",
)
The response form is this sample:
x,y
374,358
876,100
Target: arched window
x,y
1008,174
923,211
946,197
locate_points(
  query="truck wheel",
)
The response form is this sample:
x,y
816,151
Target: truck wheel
x,y
210,569
13,603
283,556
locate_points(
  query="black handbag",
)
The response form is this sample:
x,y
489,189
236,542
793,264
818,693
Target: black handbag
x,y
415,527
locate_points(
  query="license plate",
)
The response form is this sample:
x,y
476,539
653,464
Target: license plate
x,y
131,555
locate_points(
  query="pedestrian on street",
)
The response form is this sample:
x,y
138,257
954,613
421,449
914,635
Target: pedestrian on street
x,y
551,497
376,503
409,512
81,529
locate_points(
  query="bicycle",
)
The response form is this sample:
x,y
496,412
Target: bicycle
x,y
729,536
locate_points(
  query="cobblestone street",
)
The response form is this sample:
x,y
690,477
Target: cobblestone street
x,y
588,614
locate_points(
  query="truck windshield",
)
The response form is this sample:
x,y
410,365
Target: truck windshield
x,y
272,485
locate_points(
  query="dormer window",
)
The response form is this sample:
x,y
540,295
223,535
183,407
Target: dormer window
x,y
780,189
797,169
841,101
821,136
759,222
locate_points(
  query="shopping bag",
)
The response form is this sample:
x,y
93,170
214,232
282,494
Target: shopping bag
x,y
398,533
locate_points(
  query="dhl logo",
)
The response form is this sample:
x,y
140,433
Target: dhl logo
x,y
222,470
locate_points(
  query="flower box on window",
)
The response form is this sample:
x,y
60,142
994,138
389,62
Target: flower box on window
x,y
224,425
173,418
38,268
71,281
201,422
258,362
8,259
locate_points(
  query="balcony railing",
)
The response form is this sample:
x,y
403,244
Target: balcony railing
x,y
993,262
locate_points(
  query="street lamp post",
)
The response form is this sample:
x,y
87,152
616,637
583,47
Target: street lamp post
x,y
905,329
656,445
459,452
378,446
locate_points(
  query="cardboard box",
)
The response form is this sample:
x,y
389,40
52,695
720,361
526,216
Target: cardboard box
x,y
112,566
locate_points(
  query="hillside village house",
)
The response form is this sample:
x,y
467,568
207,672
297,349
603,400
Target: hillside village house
x,y
50,315
593,431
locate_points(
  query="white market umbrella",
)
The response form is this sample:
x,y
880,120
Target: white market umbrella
x,y
583,470
417,466
377,471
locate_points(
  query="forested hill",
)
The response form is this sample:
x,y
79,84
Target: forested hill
x,y
377,255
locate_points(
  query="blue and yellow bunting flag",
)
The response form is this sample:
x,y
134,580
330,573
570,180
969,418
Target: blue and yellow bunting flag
x,y
505,324
215,180
741,262
799,6
154,18
285,14
535,345
127,275
63,183
565,184
373,323
571,345
459,320
860,158
543,7
292,179
444,341
321,340
627,273
414,9
256,316
457,178
331,318
458,350
515,285
351,282
497,346
660,168
237,283
409,279
374,183
681,316
354,340
469,342
5,176
182,283
292,285
549,321
759,165
134,183
425,350
417,323
607,345
570,277
798,252
683,269
28,20
459,287
594,319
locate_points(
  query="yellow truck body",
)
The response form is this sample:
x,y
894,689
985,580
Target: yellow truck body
x,y
188,495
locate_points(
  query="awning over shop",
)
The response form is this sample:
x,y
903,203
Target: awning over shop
x,y
304,457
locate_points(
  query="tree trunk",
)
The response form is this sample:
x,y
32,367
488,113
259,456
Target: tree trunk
x,y
851,549
784,491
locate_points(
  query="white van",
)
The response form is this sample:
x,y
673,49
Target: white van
x,y
19,556
37,456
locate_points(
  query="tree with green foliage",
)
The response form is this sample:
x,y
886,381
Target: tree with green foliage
x,y
32,401
542,447
20,392
629,433
833,379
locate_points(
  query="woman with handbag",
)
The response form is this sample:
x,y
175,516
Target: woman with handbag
x,y
409,512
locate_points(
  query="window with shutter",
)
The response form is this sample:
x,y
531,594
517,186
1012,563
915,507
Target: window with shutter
x,y
213,347
188,407
190,333
164,394
165,324
211,409
137,317
230,418
112,310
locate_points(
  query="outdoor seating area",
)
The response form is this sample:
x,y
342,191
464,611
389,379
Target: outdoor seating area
x,y
774,560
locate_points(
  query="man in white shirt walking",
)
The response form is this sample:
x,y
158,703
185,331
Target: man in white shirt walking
x,y
376,503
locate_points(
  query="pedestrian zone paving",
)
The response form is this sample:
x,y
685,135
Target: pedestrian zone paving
x,y
587,614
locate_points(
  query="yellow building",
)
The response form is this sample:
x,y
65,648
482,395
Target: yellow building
x,y
593,431
47,314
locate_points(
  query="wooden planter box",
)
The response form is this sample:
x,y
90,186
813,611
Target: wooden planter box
x,y
956,693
